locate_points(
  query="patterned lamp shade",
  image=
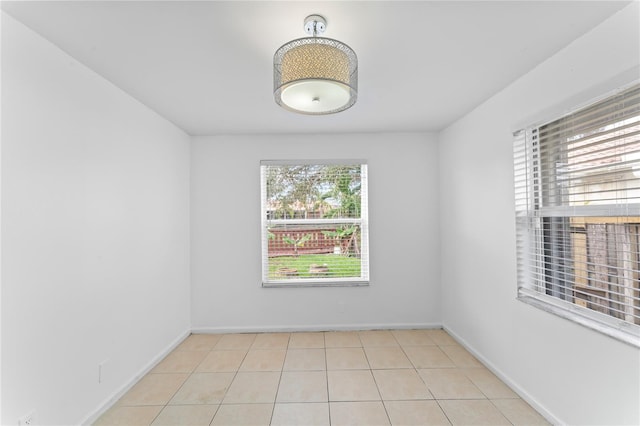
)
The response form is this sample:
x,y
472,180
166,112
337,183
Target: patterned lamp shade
x,y
315,75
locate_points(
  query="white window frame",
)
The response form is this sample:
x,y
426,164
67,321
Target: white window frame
x,y
362,222
530,213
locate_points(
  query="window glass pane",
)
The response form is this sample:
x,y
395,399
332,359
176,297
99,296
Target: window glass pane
x,y
313,191
314,251
314,223
593,262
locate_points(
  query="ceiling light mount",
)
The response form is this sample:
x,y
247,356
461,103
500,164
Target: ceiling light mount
x,y
315,75
314,25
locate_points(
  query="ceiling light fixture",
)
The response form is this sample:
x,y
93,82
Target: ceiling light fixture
x,y
315,75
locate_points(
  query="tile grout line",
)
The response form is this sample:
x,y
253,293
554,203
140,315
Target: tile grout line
x,y
235,374
326,373
384,406
185,381
500,411
425,383
220,403
275,398
232,379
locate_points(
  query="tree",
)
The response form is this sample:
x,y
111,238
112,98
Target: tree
x,y
344,236
291,188
331,190
344,189
296,242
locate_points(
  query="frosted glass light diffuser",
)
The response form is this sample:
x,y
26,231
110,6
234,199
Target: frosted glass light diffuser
x,y
315,96
315,75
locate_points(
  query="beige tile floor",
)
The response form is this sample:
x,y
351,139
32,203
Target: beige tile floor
x,y
386,377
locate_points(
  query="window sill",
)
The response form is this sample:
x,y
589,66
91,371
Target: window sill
x,y
314,283
612,327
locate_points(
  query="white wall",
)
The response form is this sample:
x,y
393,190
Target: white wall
x,y
225,235
95,219
573,374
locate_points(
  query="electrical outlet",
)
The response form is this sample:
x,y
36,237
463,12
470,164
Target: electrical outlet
x,y
101,370
27,419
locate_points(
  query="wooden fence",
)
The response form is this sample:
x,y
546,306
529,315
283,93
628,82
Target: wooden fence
x,y
318,243
605,265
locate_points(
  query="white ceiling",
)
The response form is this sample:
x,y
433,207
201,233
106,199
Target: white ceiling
x,y
207,65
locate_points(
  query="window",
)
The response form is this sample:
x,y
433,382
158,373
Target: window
x,y
577,188
314,223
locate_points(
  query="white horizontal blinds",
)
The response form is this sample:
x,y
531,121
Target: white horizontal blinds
x,y
526,230
315,226
578,207
588,261
592,157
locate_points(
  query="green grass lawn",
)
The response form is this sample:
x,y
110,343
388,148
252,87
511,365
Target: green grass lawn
x,y
339,266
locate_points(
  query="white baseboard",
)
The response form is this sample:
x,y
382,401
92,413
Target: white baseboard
x,y
331,327
106,404
506,379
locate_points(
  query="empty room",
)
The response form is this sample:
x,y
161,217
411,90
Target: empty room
x,y
320,213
